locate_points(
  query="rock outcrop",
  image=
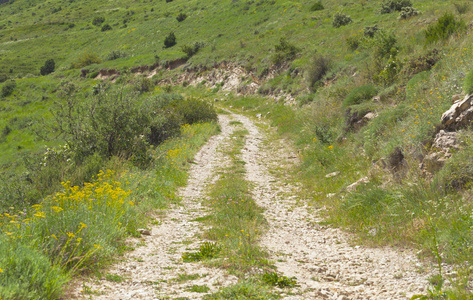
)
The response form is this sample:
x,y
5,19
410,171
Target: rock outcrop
x,y
460,115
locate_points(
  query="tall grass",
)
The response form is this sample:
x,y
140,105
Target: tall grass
x,y
83,228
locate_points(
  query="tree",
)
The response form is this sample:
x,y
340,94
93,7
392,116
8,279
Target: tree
x,y
48,67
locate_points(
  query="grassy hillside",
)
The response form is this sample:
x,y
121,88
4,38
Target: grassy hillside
x,y
341,60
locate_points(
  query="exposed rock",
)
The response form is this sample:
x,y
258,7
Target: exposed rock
x,y
355,120
456,98
444,141
433,162
332,174
144,231
459,115
352,187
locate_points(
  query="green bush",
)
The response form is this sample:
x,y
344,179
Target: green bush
x,y
468,83
97,21
3,77
370,31
85,59
284,51
195,110
106,27
340,20
462,7
446,26
143,85
170,40
384,44
360,94
48,67
317,6
316,70
353,41
191,50
390,6
27,274
115,54
408,12
181,17
8,88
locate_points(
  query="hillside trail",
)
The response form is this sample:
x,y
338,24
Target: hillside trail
x,y
325,261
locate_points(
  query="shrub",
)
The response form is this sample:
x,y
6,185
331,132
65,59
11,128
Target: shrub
x,y
341,20
317,6
115,54
85,59
284,51
390,6
408,12
317,69
384,44
48,67
468,83
143,85
3,77
170,40
181,17
359,95
191,50
106,27
195,110
462,7
97,21
370,31
8,88
353,42
444,28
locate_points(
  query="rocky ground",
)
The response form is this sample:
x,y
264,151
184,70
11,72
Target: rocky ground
x,y
325,261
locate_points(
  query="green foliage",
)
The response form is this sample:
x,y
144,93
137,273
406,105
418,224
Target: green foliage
x,y
198,288
194,110
8,88
97,21
181,17
284,52
106,27
340,20
316,70
360,94
247,289
408,12
317,6
370,31
3,77
445,26
170,40
26,273
462,7
116,54
85,59
390,6
353,41
48,67
207,250
143,85
191,50
384,44
468,83
272,278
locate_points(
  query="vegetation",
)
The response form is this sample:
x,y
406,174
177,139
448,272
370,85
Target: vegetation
x,y
48,68
414,69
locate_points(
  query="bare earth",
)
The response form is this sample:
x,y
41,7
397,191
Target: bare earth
x,y
325,261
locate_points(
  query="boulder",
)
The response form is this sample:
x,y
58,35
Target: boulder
x,y
459,115
444,141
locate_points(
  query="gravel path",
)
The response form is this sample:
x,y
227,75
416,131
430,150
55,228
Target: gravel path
x,y
324,260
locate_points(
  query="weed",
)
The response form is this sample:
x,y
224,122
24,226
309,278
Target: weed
x,y
207,250
274,279
198,288
114,278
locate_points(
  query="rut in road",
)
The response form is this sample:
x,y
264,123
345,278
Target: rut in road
x,y
325,262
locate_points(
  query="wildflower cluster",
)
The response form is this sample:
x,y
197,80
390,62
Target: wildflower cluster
x,y
61,153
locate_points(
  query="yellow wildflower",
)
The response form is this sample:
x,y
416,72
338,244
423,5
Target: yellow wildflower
x,y
70,234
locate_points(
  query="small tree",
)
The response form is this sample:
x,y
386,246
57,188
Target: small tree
x,y
170,40
181,17
48,67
